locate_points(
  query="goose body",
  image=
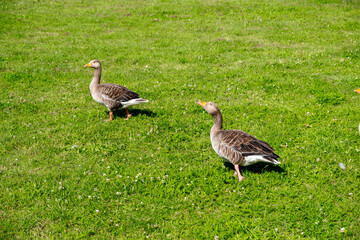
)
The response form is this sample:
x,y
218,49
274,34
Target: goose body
x,y
235,146
112,96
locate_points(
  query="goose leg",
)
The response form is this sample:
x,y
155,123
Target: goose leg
x,y
111,117
238,172
128,115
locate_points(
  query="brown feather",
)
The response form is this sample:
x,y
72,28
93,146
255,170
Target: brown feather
x,y
114,94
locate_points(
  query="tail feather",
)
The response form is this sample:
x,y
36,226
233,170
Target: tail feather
x,y
272,160
134,102
142,100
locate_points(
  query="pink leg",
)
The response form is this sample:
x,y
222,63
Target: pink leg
x,y
127,114
111,117
238,172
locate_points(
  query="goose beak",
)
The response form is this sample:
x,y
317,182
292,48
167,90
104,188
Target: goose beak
x,y
87,65
357,90
201,103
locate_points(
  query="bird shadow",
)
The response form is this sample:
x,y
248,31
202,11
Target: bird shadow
x,y
258,168
120,113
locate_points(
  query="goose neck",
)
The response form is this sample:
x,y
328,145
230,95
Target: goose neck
x,y
97,76
218,120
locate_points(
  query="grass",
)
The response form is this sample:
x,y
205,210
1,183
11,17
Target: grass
x,y
283,71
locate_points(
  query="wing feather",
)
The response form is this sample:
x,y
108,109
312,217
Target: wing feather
x,y
236,145
114,95
117,92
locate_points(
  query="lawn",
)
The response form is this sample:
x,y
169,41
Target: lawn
x,y
282,70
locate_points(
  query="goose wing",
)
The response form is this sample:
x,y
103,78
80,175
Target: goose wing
x,y
236,145
117,93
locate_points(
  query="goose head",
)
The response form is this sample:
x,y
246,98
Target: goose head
x,y
210,107
94,64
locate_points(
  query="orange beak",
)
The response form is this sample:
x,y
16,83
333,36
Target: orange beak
x,y
201,103
88,65
357,90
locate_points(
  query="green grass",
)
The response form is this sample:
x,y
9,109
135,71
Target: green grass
x,y
283,71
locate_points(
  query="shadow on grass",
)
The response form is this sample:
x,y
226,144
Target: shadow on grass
x,y
120,113
257,168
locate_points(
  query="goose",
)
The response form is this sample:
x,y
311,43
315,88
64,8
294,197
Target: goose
x,y
235,146
112,96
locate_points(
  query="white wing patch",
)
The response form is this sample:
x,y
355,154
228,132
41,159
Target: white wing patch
x,y
133,102
250,160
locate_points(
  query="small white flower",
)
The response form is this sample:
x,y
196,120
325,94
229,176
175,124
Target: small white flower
x,y
342,165
342,230
89,197
117,193
80,197
96,211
